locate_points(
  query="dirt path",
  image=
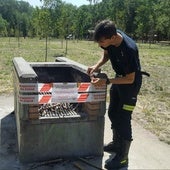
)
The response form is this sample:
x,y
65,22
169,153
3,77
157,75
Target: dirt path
x,y
147,152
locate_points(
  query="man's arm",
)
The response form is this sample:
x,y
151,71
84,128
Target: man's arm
x,y
101,62
128,79
103,59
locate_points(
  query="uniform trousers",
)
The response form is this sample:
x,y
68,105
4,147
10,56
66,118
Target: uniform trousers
x,y
123,100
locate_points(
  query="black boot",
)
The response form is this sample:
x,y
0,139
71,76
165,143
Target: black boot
x,y
113,146
121,158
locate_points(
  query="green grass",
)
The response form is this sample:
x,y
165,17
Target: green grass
x,y
152,109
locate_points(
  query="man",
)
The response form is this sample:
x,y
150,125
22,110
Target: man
x,y
122,52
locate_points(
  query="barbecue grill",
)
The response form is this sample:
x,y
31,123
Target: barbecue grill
x,y
59,113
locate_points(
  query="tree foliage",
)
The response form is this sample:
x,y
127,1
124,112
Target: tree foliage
x,y
3,27
142,19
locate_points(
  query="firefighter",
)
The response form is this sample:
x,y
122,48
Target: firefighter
x,y
122,53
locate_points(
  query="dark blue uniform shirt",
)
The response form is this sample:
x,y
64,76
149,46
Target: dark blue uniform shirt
x,y
125,58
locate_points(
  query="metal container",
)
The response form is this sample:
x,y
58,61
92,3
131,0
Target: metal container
x,y
59,113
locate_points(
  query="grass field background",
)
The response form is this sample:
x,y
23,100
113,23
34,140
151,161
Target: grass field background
x,y
153,107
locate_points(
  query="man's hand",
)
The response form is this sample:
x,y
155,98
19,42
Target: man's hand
x,y
98,81
91,70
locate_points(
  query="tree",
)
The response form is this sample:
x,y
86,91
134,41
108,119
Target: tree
x,y
66,21
142,19
162,11
130,14
83,21
93,1
15,13
3,27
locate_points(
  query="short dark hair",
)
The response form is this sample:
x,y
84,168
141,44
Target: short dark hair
x,y
104,29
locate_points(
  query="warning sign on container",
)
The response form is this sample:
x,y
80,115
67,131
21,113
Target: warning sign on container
x,y
64,88
28,87
40,93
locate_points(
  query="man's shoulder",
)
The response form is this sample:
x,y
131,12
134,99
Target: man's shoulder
x,y
128,41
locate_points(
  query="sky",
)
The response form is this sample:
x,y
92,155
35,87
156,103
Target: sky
x,y
74,2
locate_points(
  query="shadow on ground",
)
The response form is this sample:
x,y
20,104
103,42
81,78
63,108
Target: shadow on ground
x,y
9,153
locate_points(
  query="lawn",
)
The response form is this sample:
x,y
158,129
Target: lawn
x,y
152,109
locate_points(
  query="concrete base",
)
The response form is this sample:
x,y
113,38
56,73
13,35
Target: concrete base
x,y
47,141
